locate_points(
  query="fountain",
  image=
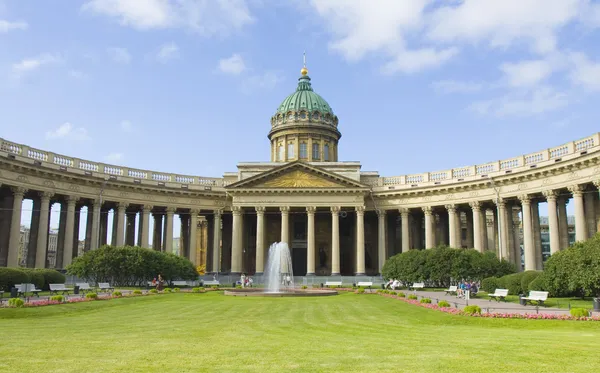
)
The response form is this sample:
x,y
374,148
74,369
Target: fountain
x,y
279,277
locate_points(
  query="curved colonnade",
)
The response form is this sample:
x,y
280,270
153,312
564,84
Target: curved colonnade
x,y
482,206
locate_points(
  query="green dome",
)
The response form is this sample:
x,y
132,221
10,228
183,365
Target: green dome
x,y
304,98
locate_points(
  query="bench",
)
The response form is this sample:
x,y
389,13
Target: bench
x,y
84,286
536,296
105,286
180,283
333,283
211,283
55,288
23,289
499,294
452,290
365,284
417,285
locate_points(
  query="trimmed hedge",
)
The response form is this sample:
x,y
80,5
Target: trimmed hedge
x,y
512,283
36,278
539,284
9,277
490,284
527,278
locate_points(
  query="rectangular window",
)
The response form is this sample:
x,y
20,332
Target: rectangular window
x,y
290,153
316,156
326,153
303,150
280,153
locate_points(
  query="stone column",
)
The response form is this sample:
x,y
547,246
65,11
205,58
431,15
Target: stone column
x,y
335,241
42,238
483,228
537,234
452,227
122,206
495,244
216,241
236,242
145,223
589,200
169,230
69,231
404,217
29,250
528,243
192,234
310,244
115,227
95,237
285,224
553,221
563,222
89,228
428,227
360,241
15,227
516,238
476,208
260,240
103,226
184,237
597,185
381,239
157,236
504,229
580,226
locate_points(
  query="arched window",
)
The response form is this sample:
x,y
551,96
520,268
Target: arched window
x,y
290,152
315,152
326,152
303,151
280,152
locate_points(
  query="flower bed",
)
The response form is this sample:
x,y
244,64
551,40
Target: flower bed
x,y
493,315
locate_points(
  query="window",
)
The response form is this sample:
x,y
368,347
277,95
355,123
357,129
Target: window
x,y
326,153
316,155
290,154
280,153
303,150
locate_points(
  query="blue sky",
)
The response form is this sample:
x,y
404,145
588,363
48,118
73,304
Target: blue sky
x,y
188,86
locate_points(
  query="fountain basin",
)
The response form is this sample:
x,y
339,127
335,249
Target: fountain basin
x,y
257,292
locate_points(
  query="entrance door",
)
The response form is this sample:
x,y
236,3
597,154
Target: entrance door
x,y
299,261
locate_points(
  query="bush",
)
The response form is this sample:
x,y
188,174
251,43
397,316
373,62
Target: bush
x,y
304,287
58,298
9,277
91,296
176,290
117,294
512,283
401,294
153,291
443,303
414,297
425,300
490,284
527,278
137,292
538,284
471,310
579,312
51,276
360,290
198,290
167,290
16,302
238,286
36,277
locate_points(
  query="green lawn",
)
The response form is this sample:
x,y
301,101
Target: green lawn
x,y
551,302
345,333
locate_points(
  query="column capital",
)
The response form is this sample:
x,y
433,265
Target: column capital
x,y
550,194
500,203
147,208
284,209
475,205
596,183
404,212
170,210
236,210
71,199
260,210
576,189
218,213
525,199
427,210
122,205
194,212
451,208
360,209
311,210
381,213
335,209
18,191
46,195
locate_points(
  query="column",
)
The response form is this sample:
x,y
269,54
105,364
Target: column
x,y
476,208
580,226
589,200
597,185
184,236
236,242
157,235
360,240
452,229
553,221
42,237
29,251
15,227
528,243
103,226
192,234
285,224
483,229
516,238
260,239
563,222
115,227
381,239
504,229
145,223
122,206
169,230
95,237
62,227
335,241
89,228
537,234
69,231
428,227
216,241
310,244
404,217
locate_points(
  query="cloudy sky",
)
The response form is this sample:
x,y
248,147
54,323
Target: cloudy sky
x,y
188,86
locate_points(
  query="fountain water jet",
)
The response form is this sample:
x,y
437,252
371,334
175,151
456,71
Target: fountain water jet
x,y
278,272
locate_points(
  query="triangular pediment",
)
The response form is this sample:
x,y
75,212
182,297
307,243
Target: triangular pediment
x,y
296,175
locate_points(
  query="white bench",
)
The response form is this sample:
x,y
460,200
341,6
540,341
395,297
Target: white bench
x,y
333,283
23,289
55,288
536,296
417,285
105,286
364,284
84,286
499,294
211,283
452,290
180,283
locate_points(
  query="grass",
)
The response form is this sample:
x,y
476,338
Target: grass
x,y
345,333
551,302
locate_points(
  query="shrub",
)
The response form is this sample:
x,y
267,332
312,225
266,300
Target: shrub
x,y
215,286
360,290
16,302
401,294
117,294
513,283
238,286
579,312
58,298
490,284
153,291
198,290
471,310
304,287
91,296
527,278
176,290
9,277
51,276
412,296
443,303
538,284
36,277
137,292
425,300
166,290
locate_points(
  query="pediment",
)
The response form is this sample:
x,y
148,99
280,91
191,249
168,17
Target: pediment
x,y
297,175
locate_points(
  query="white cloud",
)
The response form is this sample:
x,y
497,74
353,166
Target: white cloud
x,y
126,126
167,52
119,55
233,65
585,73
526,73
453,86
114,157
523,103
206,17
68,132
31,64
265,81
411,61
6,26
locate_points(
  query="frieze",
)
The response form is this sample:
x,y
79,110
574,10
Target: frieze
x,y
222,203
49,184
74,188
23,178
572,176
123,194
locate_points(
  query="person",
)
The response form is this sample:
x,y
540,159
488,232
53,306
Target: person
x,y
474,288
154,282
250,281
243,280
159,283
396,285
